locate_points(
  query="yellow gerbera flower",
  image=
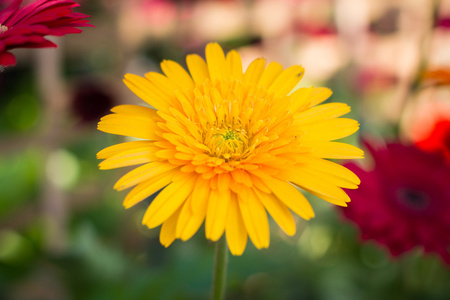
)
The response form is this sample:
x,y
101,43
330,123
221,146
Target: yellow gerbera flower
x,y
224,146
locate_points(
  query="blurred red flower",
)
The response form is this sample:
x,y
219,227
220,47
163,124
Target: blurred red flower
x,y
92,99
404,201
443,22
438,140
25,27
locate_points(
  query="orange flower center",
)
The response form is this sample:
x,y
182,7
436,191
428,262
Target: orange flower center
x,y
3,28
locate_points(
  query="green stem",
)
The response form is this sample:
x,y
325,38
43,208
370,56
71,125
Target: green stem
x,y
220,269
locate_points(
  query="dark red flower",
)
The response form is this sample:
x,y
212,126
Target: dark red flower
x,y
404,201
92,99
438,141
26,27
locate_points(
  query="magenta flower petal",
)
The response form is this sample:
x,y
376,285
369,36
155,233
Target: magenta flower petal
x,y
27,26
7,59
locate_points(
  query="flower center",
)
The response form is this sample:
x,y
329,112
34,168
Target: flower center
x,y
3,28
223,110
413,199
227,142
233,121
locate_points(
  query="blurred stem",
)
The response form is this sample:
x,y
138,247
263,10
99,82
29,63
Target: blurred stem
x,y
55,101
415,35
220,269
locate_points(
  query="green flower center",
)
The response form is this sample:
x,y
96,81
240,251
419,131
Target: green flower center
x,y
231,134
227,142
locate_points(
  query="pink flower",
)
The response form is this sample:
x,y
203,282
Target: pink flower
x,y
26,27
403,201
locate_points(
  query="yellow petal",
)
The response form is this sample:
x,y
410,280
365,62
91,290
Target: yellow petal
x,y
177,74
198,68
162,84
131,157
216,214
122,147
167,234
215,59
223,182
329,199
254,71
190,221
135,110
272,71
147,91
331,172
279,212
300,99
333,150
147,188
319,95
329,129
188,111
255,219
290,196
142,173
287,80
234,65
200,195
166,153
130,120
329,177
177,128
312,183
128,126
241,176
259,184
322,112
235,229
168,201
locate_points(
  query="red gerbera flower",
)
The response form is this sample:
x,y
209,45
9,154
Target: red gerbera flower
x,y
404,201
438,140
25,27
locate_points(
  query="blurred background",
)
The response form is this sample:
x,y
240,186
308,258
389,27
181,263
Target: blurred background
x,y
64,233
